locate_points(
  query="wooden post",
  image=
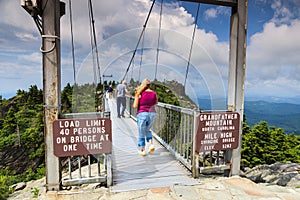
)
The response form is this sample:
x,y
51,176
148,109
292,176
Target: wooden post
x,y
51,86
236,74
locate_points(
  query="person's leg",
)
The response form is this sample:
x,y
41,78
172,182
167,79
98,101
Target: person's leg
x,y
118,106
141,123
151,116
148,132
123,106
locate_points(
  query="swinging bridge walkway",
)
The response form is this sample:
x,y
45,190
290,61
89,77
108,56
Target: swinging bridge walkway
x,y
132,171
174,161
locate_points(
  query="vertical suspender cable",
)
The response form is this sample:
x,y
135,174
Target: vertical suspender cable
x,y
141,61
137,45
93,39
192,43
158,38
72,42
132,70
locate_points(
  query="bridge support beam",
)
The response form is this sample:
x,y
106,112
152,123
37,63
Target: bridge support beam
x,y
51,86
236,74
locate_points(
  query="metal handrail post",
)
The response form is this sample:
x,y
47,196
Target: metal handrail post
x,y
195,154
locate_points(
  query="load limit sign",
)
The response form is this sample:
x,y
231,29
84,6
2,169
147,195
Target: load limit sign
x,y
73,137
217,131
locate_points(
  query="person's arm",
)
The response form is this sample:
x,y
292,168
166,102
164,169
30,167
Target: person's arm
x,y
136,101
117,88
126,90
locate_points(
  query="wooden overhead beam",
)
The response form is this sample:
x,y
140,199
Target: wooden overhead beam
x,y
231,3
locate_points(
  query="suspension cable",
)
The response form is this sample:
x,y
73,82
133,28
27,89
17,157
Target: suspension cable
x,y
191,48
72,42
38,19
137,45
38,23
141,60
131,77
158,38
94,41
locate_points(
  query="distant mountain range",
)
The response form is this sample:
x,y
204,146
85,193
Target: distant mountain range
x,y
272,99
274,111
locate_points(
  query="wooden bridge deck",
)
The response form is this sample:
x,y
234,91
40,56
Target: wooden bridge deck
x,y
134,172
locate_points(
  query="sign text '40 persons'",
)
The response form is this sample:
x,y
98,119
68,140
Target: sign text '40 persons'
x,y
217,131
82,136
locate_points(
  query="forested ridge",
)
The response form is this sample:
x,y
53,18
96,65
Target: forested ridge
x,y
273,113
22,137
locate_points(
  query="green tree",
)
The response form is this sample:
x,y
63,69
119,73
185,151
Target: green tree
x,y
266,145
4,187
66,99
8,131
292,148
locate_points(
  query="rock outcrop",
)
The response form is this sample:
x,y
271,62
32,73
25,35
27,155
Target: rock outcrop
x,y
282,174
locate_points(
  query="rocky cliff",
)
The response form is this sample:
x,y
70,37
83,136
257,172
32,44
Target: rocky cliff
x,y
283,174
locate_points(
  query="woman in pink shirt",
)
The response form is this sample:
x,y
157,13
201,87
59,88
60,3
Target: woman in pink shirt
x,y
145,101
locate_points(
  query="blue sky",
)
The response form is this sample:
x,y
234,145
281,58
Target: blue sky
x,y
273,45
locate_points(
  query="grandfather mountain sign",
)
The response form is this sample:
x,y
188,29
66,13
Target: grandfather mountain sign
x,y
217,131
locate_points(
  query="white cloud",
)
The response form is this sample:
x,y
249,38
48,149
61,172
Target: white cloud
x,y
13,14
177,25
215,12
276,46
285,11
34,58
280,87
26,36
272,55
211,13
118,25
273,59
14,76
281,13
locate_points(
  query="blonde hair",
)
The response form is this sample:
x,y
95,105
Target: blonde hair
x,y
144,86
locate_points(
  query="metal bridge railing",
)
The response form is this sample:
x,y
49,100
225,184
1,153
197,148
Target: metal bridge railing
x,y
174,127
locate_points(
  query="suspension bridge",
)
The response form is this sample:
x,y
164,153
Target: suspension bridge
x,y
175,160
180,133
